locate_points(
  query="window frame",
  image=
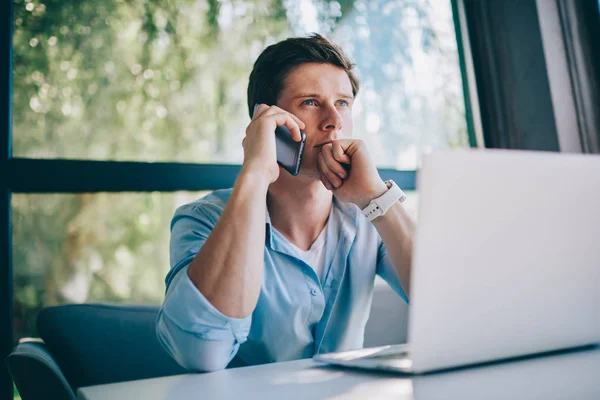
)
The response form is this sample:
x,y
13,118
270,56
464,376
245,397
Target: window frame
x,y
6,295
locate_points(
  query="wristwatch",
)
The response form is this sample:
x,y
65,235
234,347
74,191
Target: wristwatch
x,y
379,206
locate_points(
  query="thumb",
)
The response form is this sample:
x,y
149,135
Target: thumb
x,y
340,153
350,146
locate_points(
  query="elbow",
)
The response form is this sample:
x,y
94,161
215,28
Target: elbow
x,y
190,351
205,364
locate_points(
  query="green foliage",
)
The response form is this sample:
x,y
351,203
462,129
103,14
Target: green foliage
x,y
131,80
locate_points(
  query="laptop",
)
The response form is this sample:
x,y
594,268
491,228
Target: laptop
x,y
506,261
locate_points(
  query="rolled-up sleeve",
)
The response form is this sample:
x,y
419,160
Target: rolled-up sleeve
x,y
386,270
197,335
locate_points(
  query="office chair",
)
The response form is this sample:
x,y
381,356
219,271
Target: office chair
x,y
89,344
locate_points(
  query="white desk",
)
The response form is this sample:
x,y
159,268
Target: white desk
x,y
574,375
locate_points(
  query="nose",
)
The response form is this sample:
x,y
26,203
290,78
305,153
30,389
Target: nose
x,y
331,120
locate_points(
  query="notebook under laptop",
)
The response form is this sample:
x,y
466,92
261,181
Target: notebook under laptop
x,y
506,261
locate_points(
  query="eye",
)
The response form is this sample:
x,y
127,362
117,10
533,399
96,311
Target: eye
x,y
344,103
309,102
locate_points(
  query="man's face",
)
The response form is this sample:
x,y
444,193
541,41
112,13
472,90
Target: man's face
x,y
320,95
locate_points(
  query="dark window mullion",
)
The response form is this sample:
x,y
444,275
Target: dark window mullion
x,y
6,308
80,176
469,102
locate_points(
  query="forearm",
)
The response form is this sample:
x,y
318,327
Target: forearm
x,y
228,268
396,229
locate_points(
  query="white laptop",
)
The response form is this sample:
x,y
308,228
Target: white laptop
x,y
506,261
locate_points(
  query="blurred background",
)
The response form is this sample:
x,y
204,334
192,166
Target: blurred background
x,y
116,80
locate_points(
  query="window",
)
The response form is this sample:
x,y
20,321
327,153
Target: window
x,y
156,81
166,82
90,247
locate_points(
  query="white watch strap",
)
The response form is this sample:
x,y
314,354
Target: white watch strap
x,y
379,206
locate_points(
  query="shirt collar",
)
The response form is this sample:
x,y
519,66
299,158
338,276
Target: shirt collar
x,y
268,231
348,210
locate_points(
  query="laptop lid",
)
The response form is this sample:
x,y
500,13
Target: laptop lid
x,y
507,256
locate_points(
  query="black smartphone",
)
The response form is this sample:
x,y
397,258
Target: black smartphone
x,y
289,152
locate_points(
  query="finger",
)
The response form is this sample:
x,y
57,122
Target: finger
x,y
259,110
324,181
301,124
332,163
339,154
286,119
331,176
276,110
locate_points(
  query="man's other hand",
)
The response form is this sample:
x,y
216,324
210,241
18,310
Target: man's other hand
x,y
346,169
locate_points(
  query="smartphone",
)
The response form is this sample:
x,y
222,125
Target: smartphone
x,y
289,152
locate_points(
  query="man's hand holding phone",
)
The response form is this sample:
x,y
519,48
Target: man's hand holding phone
x,y
260,152
346,169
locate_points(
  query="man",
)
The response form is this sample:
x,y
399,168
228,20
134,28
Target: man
x,y
282,267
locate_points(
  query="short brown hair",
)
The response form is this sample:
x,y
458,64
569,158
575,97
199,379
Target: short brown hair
x,y
276,61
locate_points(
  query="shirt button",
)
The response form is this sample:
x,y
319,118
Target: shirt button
x,y
313,292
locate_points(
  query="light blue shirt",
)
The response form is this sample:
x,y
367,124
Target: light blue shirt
x,y
297,314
